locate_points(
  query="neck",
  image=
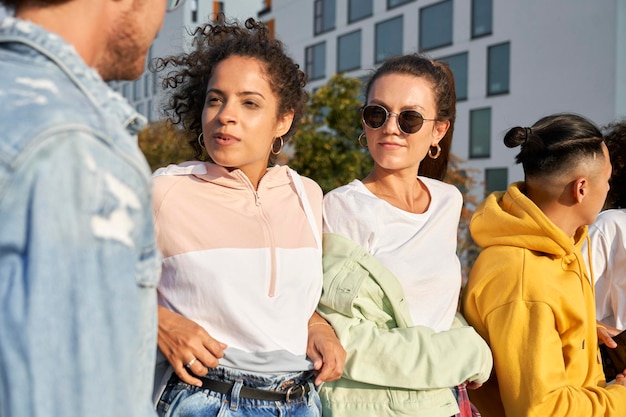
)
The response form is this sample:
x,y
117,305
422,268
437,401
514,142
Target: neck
x,y
400,189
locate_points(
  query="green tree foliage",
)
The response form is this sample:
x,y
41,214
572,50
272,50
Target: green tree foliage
x,y
164,144
466,247
326,145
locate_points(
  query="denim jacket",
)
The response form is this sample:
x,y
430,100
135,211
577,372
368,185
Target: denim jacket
x,y
78,260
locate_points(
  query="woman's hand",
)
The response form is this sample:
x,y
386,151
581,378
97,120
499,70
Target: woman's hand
x,y
325,350
183,342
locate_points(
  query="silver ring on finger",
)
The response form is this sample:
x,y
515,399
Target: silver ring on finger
x,y
191,362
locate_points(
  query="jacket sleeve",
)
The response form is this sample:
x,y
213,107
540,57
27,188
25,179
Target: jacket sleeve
x,y
532,372
380,353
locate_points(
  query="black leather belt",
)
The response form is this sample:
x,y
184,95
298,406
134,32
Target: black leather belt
x,y
293,393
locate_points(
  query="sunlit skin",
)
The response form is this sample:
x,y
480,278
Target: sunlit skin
x,y
239,121
397,155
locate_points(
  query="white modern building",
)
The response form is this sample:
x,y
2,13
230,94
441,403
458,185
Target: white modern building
x,y
514,60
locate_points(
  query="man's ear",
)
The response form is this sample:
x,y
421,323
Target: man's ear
x,y
579,189
284,123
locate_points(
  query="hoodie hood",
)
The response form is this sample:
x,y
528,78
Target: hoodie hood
x,y
512,219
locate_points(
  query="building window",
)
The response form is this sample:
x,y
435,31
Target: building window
x,y
458,65
324,19
498,67
480,133
349,52
147,78
141,109
193,6
482,17
395,3
136,90
496,179
316,61
126,90
359,9
436,25
388,39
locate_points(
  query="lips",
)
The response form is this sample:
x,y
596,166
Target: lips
x,y
224,139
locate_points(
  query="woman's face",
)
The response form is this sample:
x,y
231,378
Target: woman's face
x,y
390,147
239,120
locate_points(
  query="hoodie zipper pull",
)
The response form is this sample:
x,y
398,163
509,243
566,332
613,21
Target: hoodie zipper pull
x,y
257,199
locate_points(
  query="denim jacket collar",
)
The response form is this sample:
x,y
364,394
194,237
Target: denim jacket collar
x,y
44,45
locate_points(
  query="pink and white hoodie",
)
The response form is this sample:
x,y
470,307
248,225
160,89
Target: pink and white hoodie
x,y
245,264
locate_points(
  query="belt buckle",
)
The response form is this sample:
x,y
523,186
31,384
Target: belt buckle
x,y
293,391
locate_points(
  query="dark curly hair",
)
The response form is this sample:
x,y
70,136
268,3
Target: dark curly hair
x,y
214,42
615,139
442,81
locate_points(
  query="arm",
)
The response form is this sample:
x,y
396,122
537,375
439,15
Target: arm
x,y
415,357
325,350
79,300
181,340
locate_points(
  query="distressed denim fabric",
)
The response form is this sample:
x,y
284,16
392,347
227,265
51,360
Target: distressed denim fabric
x,y
182,400
78,260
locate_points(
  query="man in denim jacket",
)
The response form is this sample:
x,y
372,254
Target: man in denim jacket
x,y
78,262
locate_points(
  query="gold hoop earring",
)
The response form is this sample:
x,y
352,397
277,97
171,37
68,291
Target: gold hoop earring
x,y
200,140
360,140
430,152
280,148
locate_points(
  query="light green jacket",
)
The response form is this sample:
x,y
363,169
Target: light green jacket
x,y
393,368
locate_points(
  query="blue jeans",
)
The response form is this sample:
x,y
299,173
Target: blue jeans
x,y
183,400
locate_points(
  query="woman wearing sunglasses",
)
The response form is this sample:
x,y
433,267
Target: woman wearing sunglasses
x,y
391,274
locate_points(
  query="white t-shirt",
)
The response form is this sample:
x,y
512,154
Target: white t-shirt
x,y
420,249
608,259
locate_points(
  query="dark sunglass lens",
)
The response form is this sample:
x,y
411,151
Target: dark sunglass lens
x,y
410,121
374,116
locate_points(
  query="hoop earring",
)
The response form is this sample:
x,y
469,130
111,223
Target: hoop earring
x,y
280,148
360,140
430,152
201,140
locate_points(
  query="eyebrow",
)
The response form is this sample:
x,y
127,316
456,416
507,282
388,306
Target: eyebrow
x,y
240,94
409,107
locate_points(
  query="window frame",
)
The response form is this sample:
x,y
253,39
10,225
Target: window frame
x,y
459,97
487,153
311,63
371,13
421,25
338,60
400,18
507,90
319,17
473,21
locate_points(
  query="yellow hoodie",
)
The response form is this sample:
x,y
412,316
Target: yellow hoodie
x,y
530,297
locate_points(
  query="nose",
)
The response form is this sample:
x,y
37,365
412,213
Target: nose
x,y
390,126
227,114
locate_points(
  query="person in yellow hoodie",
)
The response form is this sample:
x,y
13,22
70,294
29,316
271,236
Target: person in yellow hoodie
x,y
529,294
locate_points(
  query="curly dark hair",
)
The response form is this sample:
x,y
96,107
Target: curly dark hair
x,y
214,42
442,80
615,139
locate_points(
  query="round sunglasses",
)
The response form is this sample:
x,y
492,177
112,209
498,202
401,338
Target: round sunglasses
x,y
173,4
409,121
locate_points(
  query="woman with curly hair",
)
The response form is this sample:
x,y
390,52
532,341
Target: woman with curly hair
x,y
608,237
240,238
